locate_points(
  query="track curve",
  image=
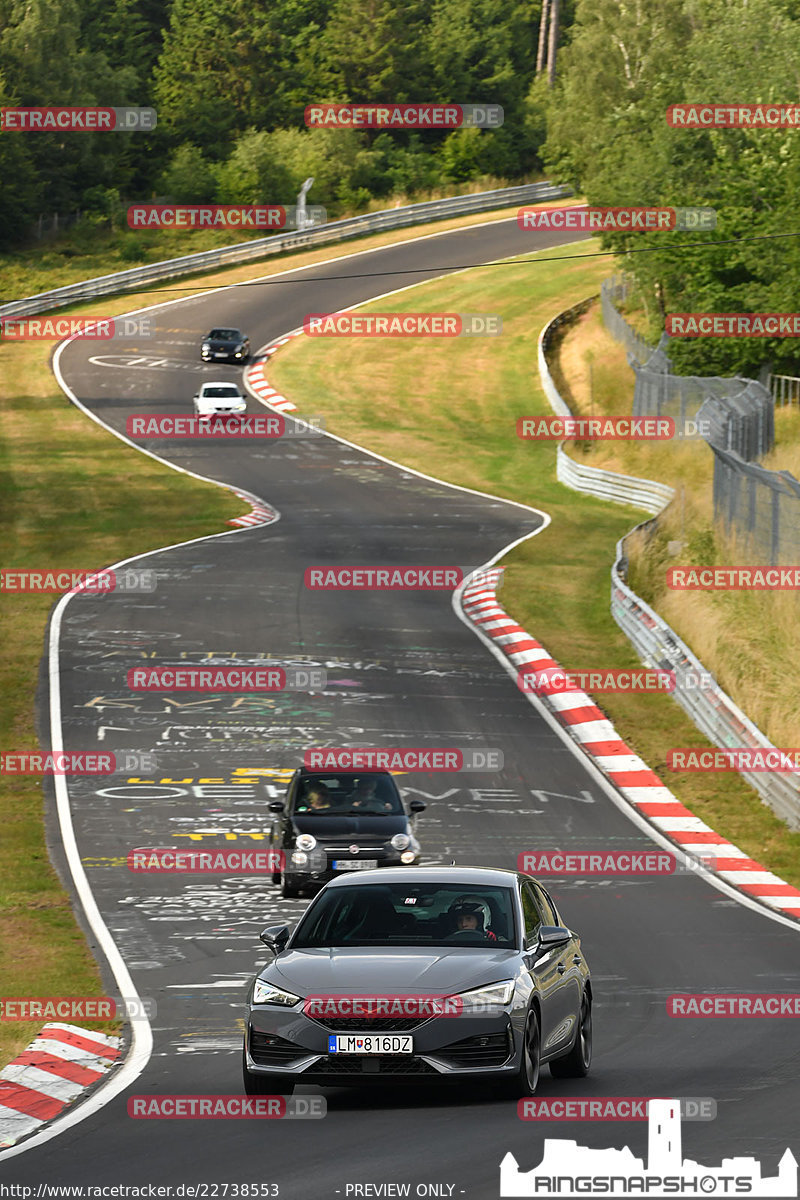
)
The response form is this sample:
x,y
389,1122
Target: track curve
x,y
398,666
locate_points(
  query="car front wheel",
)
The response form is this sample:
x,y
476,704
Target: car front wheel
x,y
575,1065
288,890
526,1080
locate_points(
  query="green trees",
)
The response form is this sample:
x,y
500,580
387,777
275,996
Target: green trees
x,y
607,133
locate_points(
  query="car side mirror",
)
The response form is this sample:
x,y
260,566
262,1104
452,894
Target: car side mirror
x,y
550,936
275,937
417,806
276,806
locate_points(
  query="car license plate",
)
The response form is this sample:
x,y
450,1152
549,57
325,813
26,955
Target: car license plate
x,y
355,864
220,354
370,1043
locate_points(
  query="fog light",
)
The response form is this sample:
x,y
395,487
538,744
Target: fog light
x,y
407,856
299,858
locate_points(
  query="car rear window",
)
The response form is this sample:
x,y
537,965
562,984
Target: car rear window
x,y
408,914
217,392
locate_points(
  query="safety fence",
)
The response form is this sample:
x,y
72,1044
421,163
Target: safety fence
x,y
757,507
709,707
784,389
739,413
335,231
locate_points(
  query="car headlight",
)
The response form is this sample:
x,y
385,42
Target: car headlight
x,y
306,841
400,841
495,995
205,346
267,993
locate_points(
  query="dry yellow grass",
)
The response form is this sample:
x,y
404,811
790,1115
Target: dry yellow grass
x,y
748,640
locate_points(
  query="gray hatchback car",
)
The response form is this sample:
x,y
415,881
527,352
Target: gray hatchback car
x,y
421,973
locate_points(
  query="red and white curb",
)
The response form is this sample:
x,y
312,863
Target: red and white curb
x,y
256,379
631,776
260,514
53,1072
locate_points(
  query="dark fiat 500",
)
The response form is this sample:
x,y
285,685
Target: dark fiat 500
x,y
336,822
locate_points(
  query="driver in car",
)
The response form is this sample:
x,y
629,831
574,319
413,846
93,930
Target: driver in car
x,y
316,799
470,917
365,797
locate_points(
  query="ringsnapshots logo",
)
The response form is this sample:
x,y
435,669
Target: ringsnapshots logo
x,y
733,116
610,1108
614,862
226,1108
167,860
55,329
366,115
77,1008
732,325
227,679
78,120
568,1169
602,429
618,220
743,578
93,583
403,325
178,425
224,216
406,758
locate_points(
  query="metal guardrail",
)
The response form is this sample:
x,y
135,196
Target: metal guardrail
x,y
608,485
592,481
712,710
784,389
335,231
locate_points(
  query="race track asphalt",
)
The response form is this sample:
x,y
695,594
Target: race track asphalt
x,y
402,670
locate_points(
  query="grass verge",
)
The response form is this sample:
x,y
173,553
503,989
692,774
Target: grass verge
x,y
449,408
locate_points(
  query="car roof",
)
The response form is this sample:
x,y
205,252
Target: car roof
x,y
220,383
321,773
468,876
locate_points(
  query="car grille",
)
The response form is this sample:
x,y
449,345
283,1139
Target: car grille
x,y
350,1064
270,1051
373,1025
484,1050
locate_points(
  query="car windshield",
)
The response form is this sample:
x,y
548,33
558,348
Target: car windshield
x,y
215,392
226,335
348,794
409,914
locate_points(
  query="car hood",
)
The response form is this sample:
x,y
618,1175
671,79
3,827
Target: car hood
x,y
436,970
373,829
212,403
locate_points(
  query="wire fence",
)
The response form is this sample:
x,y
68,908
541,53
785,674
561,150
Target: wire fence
x,y
758,508
711,709
739,414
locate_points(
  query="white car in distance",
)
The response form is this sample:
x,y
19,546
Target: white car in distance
x,y
218,398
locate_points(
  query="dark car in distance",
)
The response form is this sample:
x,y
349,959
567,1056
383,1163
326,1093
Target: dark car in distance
x,y
421,975
228,344
332,822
